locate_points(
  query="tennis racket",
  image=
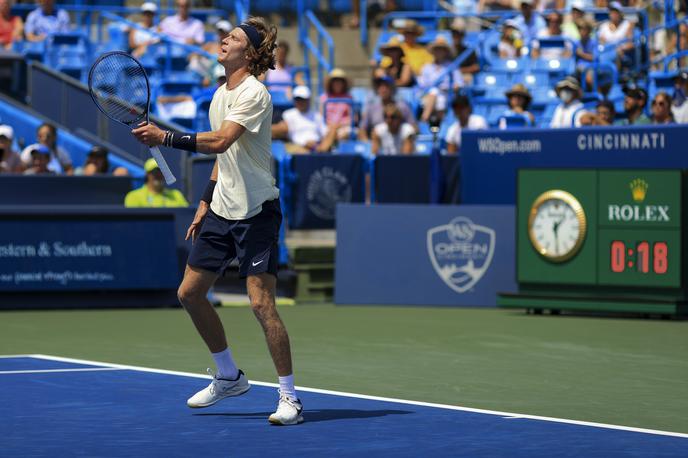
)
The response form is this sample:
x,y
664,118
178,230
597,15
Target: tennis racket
x,y
119,87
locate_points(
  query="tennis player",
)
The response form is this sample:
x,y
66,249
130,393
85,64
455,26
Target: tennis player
x,y
238,216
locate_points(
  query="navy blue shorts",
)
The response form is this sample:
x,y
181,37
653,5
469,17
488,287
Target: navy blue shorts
x,y
253,241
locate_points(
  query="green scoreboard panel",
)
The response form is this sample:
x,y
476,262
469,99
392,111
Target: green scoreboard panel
x,y
601,240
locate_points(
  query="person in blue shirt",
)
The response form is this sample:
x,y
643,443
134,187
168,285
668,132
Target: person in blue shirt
x,y
585,50
529,22
45,20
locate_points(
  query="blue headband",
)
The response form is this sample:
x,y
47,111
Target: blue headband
x,y
251,33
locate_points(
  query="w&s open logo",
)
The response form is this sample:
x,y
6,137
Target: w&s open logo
x,y
461,252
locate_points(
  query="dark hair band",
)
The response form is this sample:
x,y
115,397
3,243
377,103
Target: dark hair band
x,y
251,33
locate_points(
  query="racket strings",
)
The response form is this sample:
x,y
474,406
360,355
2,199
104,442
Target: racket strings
x,y
120,88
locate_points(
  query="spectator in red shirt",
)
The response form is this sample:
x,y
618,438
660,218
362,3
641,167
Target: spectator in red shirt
x,y
11,27
337,113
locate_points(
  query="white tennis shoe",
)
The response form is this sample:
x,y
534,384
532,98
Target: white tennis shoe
x,y
288,412
218,390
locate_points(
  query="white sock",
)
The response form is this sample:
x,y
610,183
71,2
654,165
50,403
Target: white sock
x,y
226,368
287,386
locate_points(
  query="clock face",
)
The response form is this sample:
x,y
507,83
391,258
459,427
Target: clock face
x,y
557,225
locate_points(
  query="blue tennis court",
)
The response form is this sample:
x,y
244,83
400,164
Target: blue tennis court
x,y
61,407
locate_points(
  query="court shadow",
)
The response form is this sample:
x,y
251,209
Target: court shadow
x,y
314,416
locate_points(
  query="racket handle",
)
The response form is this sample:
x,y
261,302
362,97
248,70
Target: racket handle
x,y
164,168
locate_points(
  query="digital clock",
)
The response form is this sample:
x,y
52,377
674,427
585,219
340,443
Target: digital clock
x,y
645,258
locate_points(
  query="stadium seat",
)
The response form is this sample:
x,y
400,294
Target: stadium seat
x,y
353,147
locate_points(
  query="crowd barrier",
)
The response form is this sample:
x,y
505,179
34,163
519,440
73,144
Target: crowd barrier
x,y
424,255
490,159
63,190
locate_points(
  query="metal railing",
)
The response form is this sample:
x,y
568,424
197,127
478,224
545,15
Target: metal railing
x,y
307,19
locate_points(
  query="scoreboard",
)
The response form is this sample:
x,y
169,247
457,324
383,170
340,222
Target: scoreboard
x,y
608,240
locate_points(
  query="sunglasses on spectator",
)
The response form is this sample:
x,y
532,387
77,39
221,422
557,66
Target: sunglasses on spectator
x,y
660,103
392,117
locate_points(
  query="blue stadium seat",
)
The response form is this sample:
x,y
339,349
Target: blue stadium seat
x,y
118,35
513,121
354,147
340,6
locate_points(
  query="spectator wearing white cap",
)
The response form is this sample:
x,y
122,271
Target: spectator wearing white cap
x,y
572,20
616,30
10,162
60,160
510,42
529,22
139,39
304,127
205,66
182,27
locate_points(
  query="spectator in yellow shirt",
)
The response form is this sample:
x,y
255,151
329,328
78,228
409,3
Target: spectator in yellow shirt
x,y
153,193
415,54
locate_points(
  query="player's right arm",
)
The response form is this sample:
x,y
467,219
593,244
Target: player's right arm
x,y
202,210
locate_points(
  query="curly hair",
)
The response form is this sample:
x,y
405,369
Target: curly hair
x,y
263,58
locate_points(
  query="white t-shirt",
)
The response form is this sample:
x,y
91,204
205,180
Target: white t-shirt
x,y
608,36
680,113
567,116
244,178
304,127
390,143
475,122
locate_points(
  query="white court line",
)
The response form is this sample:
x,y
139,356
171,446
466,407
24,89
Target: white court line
x,y
75,369
514,416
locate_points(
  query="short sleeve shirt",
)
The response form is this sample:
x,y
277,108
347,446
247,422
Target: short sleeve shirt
x,y
244,179
475,122
39,23
180,30
390,143
304,127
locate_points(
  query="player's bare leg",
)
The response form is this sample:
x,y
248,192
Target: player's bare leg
x,y
193,296
261,292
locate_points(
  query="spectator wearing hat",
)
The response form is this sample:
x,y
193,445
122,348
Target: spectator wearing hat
x,y
97,163
615,31
139,39
469,66
567,113
303,127
60,161
510,42
518,98
282,77
393,136
337,113
45,20
11,27
529,22
394,65
183,28
635,100
415,54
679,106
10,162
465,120
661,109
571,25
553,30
40,161
154,194
435,100
373,111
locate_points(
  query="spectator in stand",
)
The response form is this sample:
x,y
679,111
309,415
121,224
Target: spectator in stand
x,y
614,31
282,78
40,160
605,112
661,109
337,113
395,64
304,128
139,40
568,112
529,22
97,163
553,30
679,107
183,28
205,66
494,5
374,110
470,66
635,100
60,161
10,162
154,193
465,120
415,54
45,20
11,27
570,27
435,100
585,51
394,136
518,98
510,42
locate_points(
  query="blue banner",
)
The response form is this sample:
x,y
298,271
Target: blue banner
x,y
490,159
407,179
424,254
49,253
